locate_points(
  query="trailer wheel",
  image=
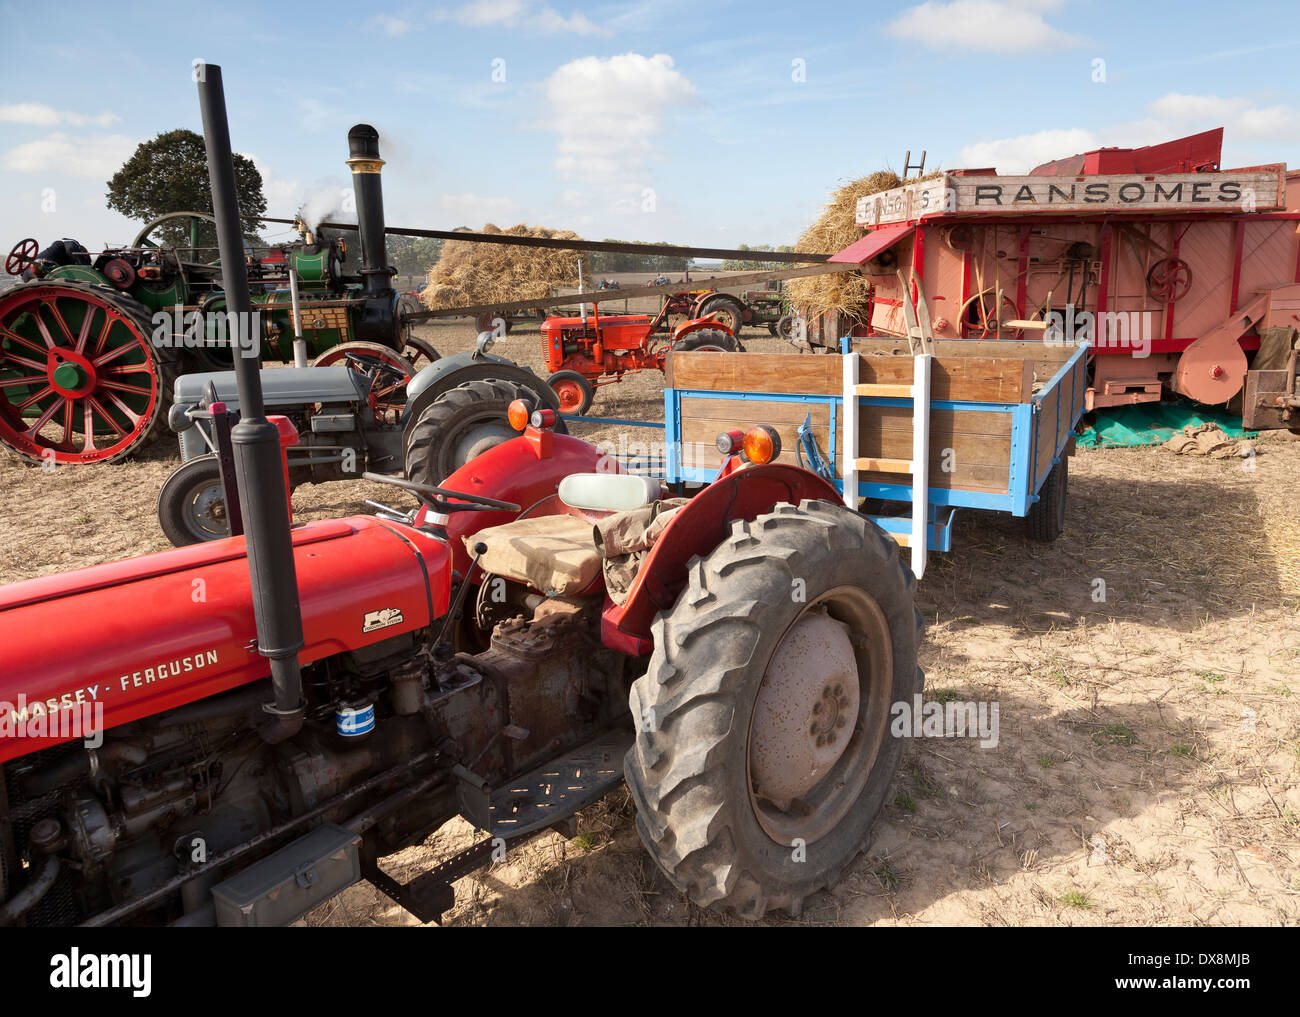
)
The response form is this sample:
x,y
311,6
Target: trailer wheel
x,y
461,423
574,390
710,340
192,503
763,749
1046,518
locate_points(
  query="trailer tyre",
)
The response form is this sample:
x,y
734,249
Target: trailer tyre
x,y
461,423
192,503
1046,518
763,750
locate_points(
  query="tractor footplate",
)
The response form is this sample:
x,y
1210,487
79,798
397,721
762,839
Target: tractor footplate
x,y
549,794
553,792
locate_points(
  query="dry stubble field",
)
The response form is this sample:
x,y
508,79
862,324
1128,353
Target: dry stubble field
x,y
1147,770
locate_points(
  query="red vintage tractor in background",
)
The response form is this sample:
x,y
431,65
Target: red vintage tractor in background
x,y
583,353
238,730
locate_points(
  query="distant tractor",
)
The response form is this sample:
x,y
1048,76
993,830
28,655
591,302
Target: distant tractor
x,y
584,352
767,306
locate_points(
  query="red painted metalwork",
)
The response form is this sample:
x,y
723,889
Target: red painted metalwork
x,y
190,632
874,243
703,524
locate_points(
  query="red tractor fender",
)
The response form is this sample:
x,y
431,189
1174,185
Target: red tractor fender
x,y
696,325
701,525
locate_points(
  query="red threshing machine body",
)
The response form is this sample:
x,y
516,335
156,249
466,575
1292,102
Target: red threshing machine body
x,y
1171,268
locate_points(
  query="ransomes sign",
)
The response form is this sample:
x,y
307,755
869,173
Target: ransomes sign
x,y
1254,190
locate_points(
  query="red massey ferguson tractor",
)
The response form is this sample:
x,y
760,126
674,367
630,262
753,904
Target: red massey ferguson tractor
x,y
584,352
454,660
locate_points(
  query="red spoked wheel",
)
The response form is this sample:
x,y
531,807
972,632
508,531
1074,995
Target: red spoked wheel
x,y
22,257
980,313
387,371
80,379
1169,279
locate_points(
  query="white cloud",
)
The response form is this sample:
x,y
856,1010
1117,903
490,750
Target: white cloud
x,y
1022,153
47,116
606,111
992,26
474,209
389,25
1173,115
520,14
98,156
1240,117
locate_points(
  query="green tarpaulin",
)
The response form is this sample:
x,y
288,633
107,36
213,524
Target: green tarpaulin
x,y
1154,424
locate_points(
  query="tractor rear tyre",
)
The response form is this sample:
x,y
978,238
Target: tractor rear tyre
x,y
1046,518
763,750
784,327
461,423
192,503
727,310
574,390
710,340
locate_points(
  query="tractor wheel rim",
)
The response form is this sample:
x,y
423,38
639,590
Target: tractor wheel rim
x,y
570,395
73,365
818,719
204,509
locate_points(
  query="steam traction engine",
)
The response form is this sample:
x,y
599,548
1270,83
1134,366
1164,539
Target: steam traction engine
x,y
1177,272
90,344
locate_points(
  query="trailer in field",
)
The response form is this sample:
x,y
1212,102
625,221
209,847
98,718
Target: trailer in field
x,y
908,438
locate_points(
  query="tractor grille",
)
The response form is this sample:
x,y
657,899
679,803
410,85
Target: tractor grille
x,y
59,906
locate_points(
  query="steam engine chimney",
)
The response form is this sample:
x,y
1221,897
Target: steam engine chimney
x,y
363,152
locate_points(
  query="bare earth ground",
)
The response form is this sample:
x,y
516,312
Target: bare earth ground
x,y
1147,770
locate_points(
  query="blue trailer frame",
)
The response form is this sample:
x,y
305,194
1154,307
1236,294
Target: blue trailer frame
x,y
1042,428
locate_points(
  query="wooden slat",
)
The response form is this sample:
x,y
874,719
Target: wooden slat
x,y
1045,423
951,422
877,465
966,449
985,479
969,379
885,391
745,413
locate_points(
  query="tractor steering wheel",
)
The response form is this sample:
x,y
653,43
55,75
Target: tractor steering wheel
x,y
22,257
433,498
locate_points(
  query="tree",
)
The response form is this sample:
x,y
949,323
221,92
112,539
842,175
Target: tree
x,y
604,262
413,255
170,174
735,264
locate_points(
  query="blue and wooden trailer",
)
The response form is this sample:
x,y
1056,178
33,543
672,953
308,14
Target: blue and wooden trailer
x,y
909,438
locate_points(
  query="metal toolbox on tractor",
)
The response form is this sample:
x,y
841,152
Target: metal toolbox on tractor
x,y
284,886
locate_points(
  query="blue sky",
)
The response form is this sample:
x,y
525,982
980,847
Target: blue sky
x,y
698,123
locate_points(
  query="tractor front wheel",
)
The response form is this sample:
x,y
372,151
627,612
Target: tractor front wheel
x,y
192,503
763,750
574,391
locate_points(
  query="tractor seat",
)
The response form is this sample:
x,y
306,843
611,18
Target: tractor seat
x,y
607,492
555,554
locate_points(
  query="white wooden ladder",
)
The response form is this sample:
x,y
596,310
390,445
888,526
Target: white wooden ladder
x,y
921,341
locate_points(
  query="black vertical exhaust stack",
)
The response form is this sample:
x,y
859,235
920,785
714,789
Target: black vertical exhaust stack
x,y
376,321
258,467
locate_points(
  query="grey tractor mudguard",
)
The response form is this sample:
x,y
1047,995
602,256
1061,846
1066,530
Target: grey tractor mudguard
x,y
448,372
283,387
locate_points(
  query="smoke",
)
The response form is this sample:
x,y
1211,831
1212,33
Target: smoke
x,y
329,200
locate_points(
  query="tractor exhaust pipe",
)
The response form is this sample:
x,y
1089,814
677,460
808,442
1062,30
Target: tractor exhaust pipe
x,y
258,465
363,159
